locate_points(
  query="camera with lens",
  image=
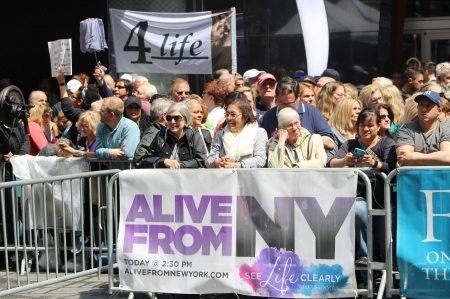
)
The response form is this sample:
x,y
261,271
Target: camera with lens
x,y
13,107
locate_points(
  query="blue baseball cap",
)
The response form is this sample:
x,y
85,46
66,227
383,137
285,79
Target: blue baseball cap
x,y
430,95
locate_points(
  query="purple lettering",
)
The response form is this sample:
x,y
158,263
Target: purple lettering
x,y
130,239
217,209
198,214
224,237
179,239
140,209
157,231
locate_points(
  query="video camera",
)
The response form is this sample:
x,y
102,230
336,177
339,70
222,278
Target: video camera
x,y
13,107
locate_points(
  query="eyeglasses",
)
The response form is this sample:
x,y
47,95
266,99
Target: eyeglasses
x,y
295,125
288,104
119,87
383,116
185,92
177,118
232,114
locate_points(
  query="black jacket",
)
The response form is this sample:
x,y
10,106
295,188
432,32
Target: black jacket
x,y
18,143
157,145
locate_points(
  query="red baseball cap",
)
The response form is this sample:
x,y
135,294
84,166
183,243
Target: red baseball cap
x,y
265,77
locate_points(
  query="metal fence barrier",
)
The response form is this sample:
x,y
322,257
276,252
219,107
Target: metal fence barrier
x,y
53,229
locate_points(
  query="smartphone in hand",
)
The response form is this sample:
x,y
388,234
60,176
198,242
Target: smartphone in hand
x,y
359,152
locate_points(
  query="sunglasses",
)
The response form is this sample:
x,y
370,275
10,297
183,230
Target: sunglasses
x,y
119,87
185,92
383,116
177,118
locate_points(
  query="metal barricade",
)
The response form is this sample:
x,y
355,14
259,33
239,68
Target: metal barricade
x,y
373,265
391,274
53,229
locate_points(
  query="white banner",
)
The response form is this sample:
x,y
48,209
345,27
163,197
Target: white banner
x,y
179,43
271,233
61,56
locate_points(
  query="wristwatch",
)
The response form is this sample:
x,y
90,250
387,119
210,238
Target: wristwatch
x,y
62,83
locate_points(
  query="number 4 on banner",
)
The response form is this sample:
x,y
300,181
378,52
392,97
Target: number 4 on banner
x,y
140,48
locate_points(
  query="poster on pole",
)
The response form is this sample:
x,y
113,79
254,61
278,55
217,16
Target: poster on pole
x,y
61,56
423,232
176,43
248,232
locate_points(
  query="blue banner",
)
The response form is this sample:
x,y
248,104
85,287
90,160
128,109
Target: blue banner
x,y
423,239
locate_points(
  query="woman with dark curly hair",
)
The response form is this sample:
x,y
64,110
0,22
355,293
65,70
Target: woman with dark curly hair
x,y
241,143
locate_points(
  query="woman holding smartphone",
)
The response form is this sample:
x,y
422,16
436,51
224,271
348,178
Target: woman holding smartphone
x,y
368,149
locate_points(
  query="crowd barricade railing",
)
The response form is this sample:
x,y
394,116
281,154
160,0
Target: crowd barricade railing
x,y
388,186
373,265
56,228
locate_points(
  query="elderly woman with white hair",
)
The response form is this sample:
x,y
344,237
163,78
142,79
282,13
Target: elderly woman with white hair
x,y
293,146
175,146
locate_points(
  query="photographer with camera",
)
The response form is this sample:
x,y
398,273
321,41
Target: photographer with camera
x,y
13,141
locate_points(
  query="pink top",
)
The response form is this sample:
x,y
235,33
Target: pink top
x,y
37,138
146,107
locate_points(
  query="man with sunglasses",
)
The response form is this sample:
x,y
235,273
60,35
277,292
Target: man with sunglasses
x,y
179,90
123,89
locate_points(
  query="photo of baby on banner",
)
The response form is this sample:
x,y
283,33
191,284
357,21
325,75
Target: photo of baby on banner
x,y
221,40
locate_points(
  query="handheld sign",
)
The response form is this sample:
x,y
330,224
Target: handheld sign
x,y
60,56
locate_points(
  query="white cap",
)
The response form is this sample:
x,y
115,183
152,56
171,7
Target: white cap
x,y
252,73
73,85
127,77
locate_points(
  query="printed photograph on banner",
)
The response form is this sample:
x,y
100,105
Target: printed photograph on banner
x,y
221,40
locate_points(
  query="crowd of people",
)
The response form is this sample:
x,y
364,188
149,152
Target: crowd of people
x,y
253,120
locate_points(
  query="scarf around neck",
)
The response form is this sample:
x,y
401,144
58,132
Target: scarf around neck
x,y
240,144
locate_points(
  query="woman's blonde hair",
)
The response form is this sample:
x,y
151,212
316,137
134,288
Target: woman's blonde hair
x,y
38,112
342,117
91,117
393,98
410,110
365,96
324,103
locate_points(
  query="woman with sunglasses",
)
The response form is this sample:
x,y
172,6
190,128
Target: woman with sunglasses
x,y
176,146
387,117
241,143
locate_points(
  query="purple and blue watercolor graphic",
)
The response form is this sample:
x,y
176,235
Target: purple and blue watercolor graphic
x,y
282,274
